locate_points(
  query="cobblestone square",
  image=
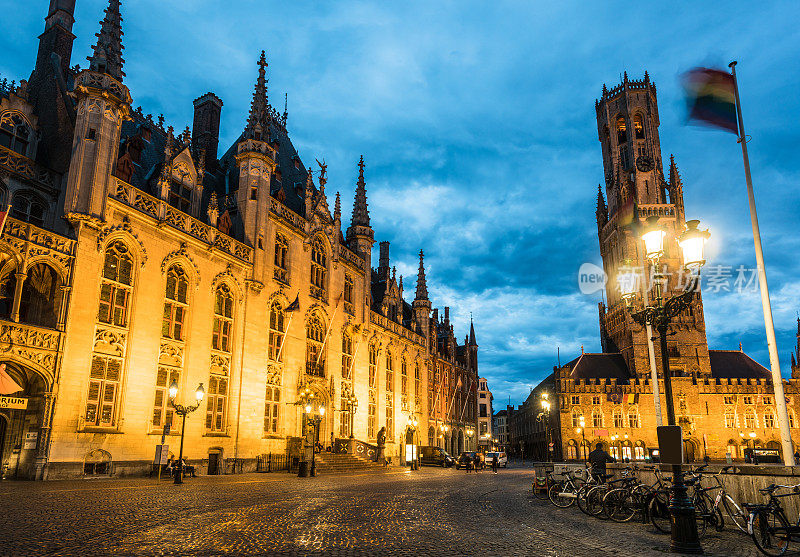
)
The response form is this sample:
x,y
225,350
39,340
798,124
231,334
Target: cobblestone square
x,y
430,512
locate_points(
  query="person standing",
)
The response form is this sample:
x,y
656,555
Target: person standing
x,y
494,463
598,459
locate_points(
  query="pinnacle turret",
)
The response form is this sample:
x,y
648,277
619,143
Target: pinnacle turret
x,y
107,56
422,286
337,208
258,118
360,210
472,341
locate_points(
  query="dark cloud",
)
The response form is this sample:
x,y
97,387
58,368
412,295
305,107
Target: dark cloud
x,y
477,124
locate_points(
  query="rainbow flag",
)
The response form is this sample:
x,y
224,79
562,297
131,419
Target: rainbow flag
x,y
711,98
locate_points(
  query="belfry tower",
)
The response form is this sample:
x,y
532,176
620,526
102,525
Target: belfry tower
x,y
635,189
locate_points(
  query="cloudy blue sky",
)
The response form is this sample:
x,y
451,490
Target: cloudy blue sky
x,y
477,124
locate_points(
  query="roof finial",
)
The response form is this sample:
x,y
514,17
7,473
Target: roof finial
x,y
360,210
285,108
337,208
107,55
422,286
258,118
472,341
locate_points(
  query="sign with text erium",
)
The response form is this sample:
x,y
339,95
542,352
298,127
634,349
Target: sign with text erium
x,y
13,402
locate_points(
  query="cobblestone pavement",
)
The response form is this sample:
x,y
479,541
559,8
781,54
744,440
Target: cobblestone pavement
x,y
429,512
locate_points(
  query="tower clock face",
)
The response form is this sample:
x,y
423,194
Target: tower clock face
x,y
644,163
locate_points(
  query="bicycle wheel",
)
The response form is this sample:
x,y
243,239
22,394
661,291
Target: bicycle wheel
x,y
594,501
768,541
658,509
557,499
702,515
738,516
618,504
581,499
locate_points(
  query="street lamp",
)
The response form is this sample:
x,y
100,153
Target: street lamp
x,y
684,527
314,415
352,406
470,433
544,417
181,411
582,428
413,422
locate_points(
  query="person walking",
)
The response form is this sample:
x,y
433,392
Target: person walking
x,y
598,459
494,464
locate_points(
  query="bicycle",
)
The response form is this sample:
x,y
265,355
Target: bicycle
x,y
736,514
658,506
768,525
563,494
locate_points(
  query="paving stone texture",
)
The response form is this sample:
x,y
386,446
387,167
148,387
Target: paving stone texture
x,y
429,512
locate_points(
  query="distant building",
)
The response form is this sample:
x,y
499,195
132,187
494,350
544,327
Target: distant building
x,y
500,428
485,440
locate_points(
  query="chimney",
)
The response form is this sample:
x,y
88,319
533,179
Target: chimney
x,y
447,315
383,261
205,128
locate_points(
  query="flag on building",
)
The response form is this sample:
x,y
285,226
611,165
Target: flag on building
x,y
711,97
294,306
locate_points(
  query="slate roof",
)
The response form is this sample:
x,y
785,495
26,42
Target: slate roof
x,y
734,364
599,366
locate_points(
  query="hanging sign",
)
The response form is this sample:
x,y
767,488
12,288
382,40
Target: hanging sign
x,y
13,402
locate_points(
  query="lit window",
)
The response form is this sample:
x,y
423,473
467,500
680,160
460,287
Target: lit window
x,y
272,409
116,286
372,412
728,399
217,396
769,420
633,417
347,356
622,134
223,319
750,419
730,419
389,415
175,306
618,420
319,269
638,126
373,366
277,329
281,258
389,372
104,381
597,418
315,336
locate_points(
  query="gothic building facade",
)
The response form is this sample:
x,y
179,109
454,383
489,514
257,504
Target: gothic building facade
x,y
136,257
723,399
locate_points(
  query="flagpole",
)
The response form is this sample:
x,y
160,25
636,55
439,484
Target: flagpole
x,y
777,379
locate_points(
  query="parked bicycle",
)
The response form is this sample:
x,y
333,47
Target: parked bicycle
x,y
768,524
564,493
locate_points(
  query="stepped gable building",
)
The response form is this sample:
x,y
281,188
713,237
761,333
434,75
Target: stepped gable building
x,y
721,396
136,256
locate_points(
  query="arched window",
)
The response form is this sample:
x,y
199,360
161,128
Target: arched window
x,y
15,132
29,207
389,372
117,285
373,366
348,294
277,330
417,384
576,417
769,419
750,418
347,356
281,272
730,418
633,417
175,304
403,377
618,420
41,297
344,414
622,133
638,127
180,189
597,418
315,336
638,452
431,436
272,409
223,319
217,401
319,269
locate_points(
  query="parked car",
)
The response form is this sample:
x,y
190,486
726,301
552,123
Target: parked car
x,y
435,456
468,457
502,459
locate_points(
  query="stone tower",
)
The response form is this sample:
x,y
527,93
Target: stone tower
x,y
256,161
103,102
360,236
421,304
635,189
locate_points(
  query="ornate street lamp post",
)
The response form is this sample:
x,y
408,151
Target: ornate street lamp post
x,y
352,406
314,415
544,417
181,411
470,432
413,422
684,537
582,431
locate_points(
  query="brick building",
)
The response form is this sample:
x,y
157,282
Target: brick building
x,y
137,257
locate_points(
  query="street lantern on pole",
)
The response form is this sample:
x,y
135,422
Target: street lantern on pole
x,y
182,410
352,406
470,432
544,417
413,422
314,415
659,314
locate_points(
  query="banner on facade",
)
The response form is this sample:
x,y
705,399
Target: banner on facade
x,y
13,402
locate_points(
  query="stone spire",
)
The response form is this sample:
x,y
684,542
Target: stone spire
x,y
360,211
259,107
472,333
602,210
107,56
422,286
337,208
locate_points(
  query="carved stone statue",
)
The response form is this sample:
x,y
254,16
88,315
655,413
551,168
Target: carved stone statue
x,y
382,438
380,454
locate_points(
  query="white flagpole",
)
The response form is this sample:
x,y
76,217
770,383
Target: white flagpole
x,y
777,379
461,419
330,326
285,334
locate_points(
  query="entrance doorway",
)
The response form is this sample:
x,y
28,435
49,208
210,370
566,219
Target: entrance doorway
x,y
214,462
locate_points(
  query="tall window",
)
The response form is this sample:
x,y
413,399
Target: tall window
x,y
15,133
217,396
618,421
28,207
769,420
638,127
347,356
791,419
389,372
172,322
371,415
404,382
319,268
272,409
116,286
730,419
622,133
162,412
417,383
277,330
633,417
576,417
373,366
597,418
344,420
223,319
104,380
281,258
750,418
180,195
315,336
389,416
348,294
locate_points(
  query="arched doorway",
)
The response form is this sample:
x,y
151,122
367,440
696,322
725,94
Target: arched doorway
x,y
689,450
